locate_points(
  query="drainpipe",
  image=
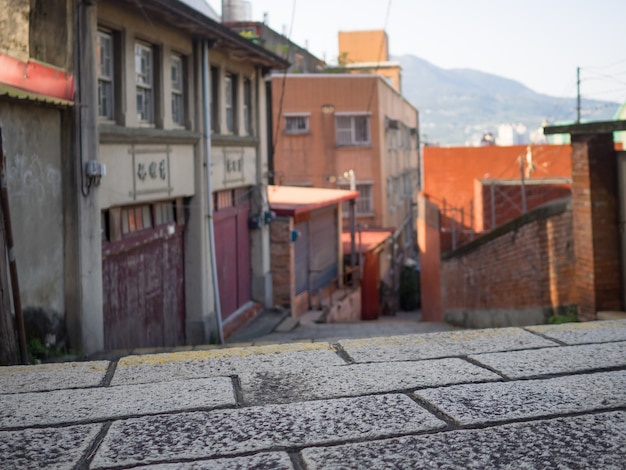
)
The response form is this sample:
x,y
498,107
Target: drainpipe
x,y
207,151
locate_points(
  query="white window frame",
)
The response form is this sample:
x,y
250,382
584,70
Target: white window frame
x,y
230,102
144,82
297,123
364,204
105,66
352,129
177,76
247,106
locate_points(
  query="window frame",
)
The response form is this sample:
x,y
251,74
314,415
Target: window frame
x,y
230,102
106,81
247,107
347,131
146,89
364,204
178,95
295,118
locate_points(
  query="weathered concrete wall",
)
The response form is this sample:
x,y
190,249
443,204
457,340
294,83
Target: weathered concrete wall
x,y
14,28
515,275
33,147
50,32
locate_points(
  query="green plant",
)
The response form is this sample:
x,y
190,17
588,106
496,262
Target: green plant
x,y
567,314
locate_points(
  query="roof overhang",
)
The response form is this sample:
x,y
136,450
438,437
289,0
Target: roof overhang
x,y
600,127
294,200
181,14
366,240
18,94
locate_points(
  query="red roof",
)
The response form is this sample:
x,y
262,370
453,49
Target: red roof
x,y
291,200
369,240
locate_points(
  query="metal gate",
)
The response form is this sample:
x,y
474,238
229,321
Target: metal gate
x,y
232,249
324,247
143,277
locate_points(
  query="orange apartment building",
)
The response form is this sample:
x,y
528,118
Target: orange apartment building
x,y
333,124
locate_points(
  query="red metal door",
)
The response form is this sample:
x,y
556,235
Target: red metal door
x,y
144,295
370,298
232,253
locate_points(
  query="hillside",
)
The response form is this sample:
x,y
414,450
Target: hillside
x,y
457,105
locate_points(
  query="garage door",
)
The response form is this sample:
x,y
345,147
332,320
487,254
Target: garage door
x,y
232,249
143,276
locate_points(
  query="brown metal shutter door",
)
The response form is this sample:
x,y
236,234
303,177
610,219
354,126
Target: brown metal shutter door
x,y
324,249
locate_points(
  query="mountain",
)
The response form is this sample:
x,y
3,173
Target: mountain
x,y
458,105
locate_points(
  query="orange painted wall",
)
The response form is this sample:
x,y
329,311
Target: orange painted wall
x,y
428,242
363,46
449,172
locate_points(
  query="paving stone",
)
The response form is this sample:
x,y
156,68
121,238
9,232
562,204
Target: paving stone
x,y
272,460
503,401
19,379
358,379
549,361
592,441
57,448
584,332
79,405
220,433
445,344
220,362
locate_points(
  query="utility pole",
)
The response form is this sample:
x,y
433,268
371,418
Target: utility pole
x,y
578,95
523,188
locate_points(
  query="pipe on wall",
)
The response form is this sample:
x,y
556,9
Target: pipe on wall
x,y
207,151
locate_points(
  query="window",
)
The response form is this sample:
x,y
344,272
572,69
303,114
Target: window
x,y
144,71
296,124
247,105
164,213
135,219
215,99
364,202
230,88
353,130
178,100
105,75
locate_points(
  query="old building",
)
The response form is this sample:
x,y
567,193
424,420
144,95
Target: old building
x,y
148,240
155,196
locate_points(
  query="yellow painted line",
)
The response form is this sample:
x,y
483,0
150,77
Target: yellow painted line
x,y
588,325
404,340
189,356
93,366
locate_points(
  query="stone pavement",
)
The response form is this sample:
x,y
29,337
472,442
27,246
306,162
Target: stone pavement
x,y
551,396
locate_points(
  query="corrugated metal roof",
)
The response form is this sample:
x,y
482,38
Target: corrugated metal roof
x,y
19,94
289,200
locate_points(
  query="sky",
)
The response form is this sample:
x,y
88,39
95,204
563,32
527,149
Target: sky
x,y
539,43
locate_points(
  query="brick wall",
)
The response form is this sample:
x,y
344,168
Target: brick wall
x,y
508,203
596,228
514,275
282,261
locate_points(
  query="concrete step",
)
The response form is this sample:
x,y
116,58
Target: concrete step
x,y
612,315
